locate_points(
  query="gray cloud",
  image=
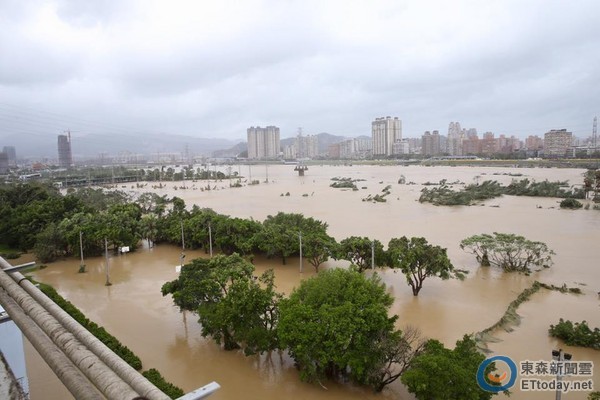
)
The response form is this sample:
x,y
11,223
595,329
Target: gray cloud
x,y
211,69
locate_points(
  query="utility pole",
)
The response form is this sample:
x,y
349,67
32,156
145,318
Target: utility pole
x,y
373,254
107,263
210,239
300,237
267,172
182,256
81,265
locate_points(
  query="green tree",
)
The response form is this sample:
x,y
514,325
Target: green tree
x,y
508,251
333,323
235,308
359,251
50,244
419,260
317,247
443,374
576,334
280,235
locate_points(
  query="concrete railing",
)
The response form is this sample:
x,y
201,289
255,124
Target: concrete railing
x,y
83,363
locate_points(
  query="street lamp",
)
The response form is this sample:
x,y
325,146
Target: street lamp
x,y
559,356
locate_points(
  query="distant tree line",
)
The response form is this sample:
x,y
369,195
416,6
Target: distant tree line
x,y
445,195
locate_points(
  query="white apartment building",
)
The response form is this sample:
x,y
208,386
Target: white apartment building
x,y
263,143
385,132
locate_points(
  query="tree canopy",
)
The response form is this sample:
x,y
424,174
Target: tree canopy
x,y
336,325
508,251
235,308
444,374
359,251
419,260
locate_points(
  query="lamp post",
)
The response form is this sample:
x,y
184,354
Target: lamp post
x,y
210,239
81,265
559,356
182,256
300,239
107,263
373,254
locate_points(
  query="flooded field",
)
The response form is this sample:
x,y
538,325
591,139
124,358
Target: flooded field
x,y
134,310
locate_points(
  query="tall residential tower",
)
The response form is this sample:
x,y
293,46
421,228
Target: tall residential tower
x,y
385,132
65,158
263,143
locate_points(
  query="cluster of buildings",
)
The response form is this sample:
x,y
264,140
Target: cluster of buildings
x,y
386,141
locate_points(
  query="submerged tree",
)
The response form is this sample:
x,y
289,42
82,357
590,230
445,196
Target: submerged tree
x,y
360,251
419,260
444,374
508,251
336,325
235,308
280,235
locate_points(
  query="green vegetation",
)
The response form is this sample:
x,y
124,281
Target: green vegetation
x,y
571,203
380,197
167,388
591,184
418,260
336,326
445,195
594,396
576,334
508,251
344,183
280,234
444,374
359,251
109,340
235,309
510,318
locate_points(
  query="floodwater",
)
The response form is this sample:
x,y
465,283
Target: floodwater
x,y
134,310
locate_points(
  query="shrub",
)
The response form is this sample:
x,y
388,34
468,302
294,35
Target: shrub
x,y
571,203
167,388
576,334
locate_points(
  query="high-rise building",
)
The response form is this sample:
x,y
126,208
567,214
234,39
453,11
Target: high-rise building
x,y
307,146
385,132
431,143
263,143
12,155
455,137
557,142
3,163
65,157
534,142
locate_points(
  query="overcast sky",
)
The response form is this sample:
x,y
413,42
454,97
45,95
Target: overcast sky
x,y
214,68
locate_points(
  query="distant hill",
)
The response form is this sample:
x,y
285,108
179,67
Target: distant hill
x,y
325,140
232,151
91,145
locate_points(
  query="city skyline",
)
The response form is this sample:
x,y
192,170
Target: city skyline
x,y
210,71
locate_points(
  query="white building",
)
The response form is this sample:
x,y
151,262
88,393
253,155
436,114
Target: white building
x,y
263,143
385,132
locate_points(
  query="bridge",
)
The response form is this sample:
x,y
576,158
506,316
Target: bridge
x,y
87,368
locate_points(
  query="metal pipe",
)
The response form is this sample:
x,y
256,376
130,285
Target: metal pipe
x,y
65,370
125,371
110,384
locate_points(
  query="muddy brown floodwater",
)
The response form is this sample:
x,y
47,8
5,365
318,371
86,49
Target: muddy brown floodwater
x,y
134,310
